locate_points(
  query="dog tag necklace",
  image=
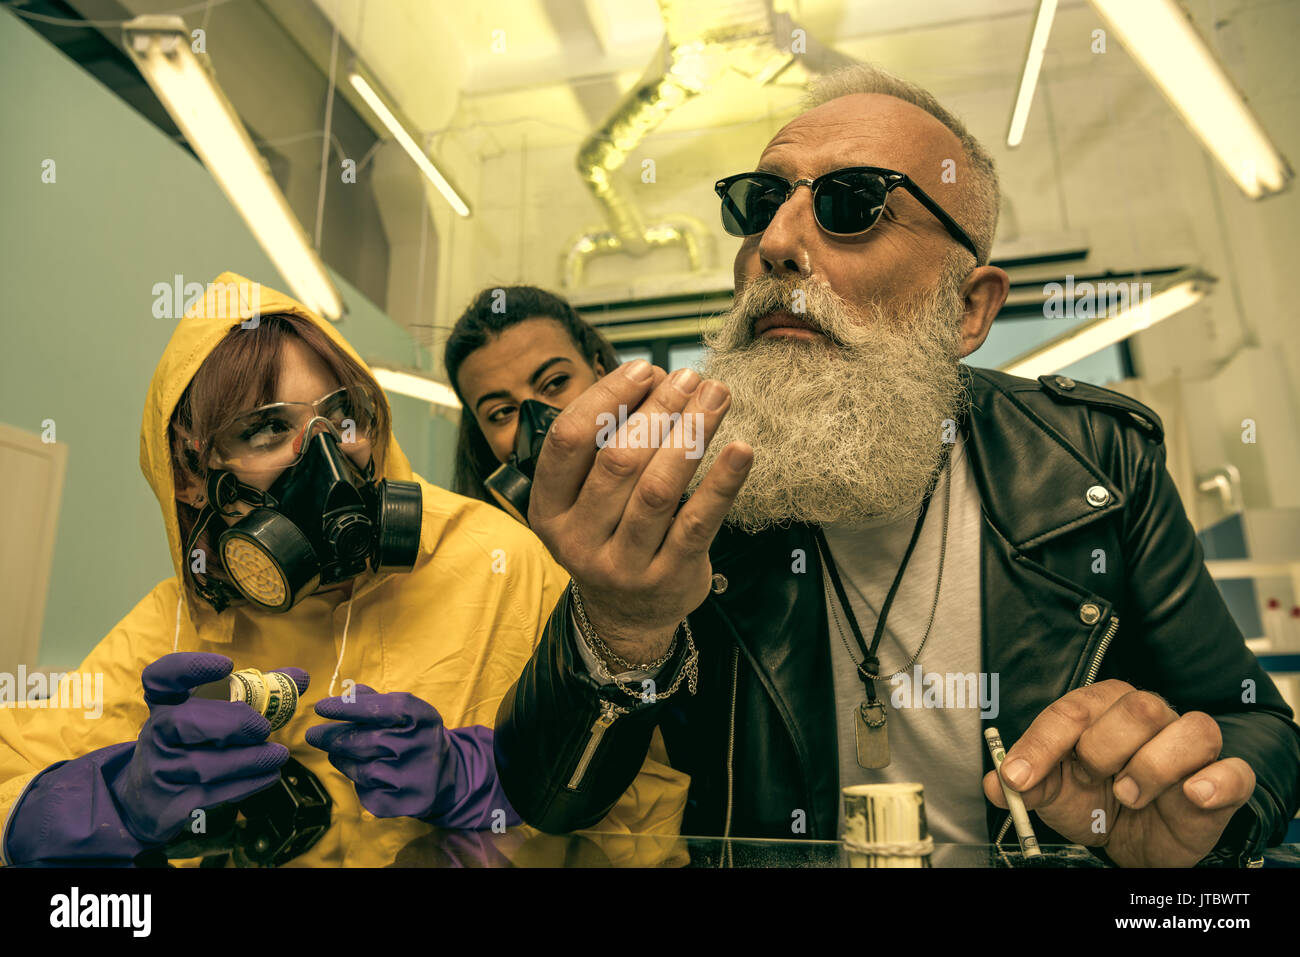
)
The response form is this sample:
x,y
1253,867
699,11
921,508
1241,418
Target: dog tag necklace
x,y
870,723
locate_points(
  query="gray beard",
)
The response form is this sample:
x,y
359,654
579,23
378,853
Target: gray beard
x,y
843,433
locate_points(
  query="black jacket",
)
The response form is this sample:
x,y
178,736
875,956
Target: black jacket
x,y
1063,469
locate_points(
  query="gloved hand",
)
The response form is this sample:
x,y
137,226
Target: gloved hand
x,y
117,801
405,762
192,752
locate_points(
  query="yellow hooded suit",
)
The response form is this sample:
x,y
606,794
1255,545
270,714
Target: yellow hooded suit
x,y
455,631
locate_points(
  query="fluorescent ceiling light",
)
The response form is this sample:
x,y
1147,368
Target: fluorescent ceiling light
x,y
418,386
160,48
1160,36
394,126
1033,63
1183,289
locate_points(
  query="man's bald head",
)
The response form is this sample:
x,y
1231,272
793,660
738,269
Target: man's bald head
x,y
976,189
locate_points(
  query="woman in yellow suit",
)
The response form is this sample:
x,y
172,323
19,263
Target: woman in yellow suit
x,y
412,610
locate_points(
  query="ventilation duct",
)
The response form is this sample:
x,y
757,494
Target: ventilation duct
x,y
701,43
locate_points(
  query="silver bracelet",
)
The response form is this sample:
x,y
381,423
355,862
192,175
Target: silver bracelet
x,y
689,669
607,652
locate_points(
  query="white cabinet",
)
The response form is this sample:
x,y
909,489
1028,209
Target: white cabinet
x,y
31,486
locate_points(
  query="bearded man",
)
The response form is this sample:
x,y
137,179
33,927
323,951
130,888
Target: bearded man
x,y
885,551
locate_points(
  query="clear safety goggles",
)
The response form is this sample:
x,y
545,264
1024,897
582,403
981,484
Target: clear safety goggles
x,y
274,436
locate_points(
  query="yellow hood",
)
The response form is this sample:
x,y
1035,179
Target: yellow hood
x,y
456,631
228,300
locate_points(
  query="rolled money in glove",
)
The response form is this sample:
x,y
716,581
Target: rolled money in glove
x,y
884,826
272,694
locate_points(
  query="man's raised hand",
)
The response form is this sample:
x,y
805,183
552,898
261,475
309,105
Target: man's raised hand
x,y
609,515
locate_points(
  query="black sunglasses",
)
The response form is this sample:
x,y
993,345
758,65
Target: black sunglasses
x,y
846,202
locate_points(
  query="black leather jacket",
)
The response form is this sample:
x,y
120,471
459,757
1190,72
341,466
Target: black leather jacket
x,y
1062,469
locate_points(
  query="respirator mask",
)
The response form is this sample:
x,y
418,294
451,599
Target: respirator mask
x,y
322,521
511,483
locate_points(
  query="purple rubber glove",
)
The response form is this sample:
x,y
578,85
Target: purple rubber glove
x,y
118,801
406,763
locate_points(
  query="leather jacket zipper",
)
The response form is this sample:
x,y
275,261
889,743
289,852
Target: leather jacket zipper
x,y
1112,627
731,754
1101,650
609,713
731,737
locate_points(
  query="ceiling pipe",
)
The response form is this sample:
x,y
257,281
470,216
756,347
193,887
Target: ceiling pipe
x,y
685,231
701,43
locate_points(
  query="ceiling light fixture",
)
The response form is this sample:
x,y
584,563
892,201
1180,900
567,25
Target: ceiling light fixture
x,y
1182,289
386,115
416,386
160,48
1161,37
1033,63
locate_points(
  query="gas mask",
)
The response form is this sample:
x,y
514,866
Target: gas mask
x,y
511,483
323,521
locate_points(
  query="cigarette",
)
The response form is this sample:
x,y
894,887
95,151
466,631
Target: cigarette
x,y
1019,816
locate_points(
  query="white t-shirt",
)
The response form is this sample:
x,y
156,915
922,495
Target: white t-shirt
x,y
941,746
933,710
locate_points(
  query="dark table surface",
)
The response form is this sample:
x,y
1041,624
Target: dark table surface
x,y
582,849
371,842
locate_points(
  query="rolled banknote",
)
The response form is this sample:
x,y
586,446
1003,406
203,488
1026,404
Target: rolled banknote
x,y
884,825
272,694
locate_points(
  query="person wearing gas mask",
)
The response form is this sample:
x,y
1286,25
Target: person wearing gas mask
x,y
870,509
516,357
303,543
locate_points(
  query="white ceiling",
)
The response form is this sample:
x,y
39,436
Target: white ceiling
x,y
552,69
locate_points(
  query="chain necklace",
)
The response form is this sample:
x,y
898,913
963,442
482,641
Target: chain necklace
x,y
872,735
